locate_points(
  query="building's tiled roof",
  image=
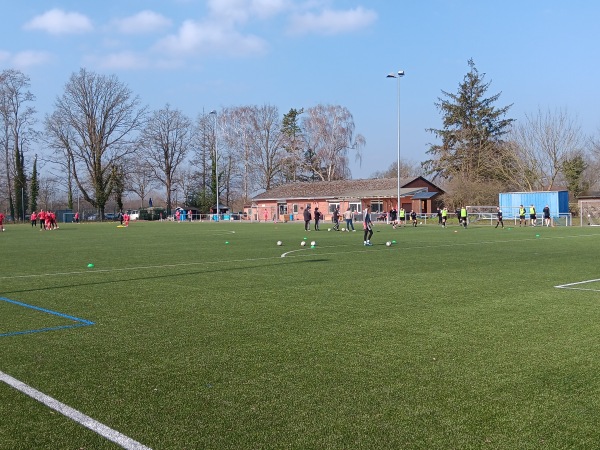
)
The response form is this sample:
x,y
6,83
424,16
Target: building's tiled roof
x,y
370,188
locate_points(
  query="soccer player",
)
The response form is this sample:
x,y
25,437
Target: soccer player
x,y
33,220
1,221
532,216
546,212
413,217
336,219
499,214
444,216
317,218
464,218
349,217
42,219
367,226
522,216
402,215
307,218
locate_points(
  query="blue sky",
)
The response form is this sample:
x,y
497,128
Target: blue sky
x,y
200,55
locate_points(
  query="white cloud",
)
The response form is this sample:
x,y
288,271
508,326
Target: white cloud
x,y
194,37
240,11
121,60
331,22
30,58
143,22
57,21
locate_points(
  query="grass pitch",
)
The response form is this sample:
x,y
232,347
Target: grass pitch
x,y
209,335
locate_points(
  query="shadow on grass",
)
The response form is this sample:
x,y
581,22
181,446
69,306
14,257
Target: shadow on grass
x,y
155,277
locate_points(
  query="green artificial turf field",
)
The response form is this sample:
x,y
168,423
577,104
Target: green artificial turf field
x,y
210,336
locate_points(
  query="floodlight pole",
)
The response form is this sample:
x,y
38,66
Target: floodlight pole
x,y
216,164
399,75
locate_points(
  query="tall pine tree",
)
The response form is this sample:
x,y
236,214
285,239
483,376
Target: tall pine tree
x,y
472,132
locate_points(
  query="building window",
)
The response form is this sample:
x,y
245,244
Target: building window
x,y
376,206
282,208
355,207
295,208
333,207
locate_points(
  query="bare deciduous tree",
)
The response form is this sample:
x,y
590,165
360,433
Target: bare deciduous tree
x,y
18,119
165,141
265,144
329,136
93,125
540,145
407,170
139,179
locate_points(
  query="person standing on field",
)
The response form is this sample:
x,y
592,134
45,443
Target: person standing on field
x,y
307,217
546,212
522,220
444,216
317,218
464,217
336,219
1,221
348,217
499,214
532,216
367,226
42,218
33,220
402,215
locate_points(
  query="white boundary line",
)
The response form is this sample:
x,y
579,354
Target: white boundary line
x,y
306,252
568,285
73,414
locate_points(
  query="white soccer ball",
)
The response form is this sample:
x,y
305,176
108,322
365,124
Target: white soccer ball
x,y
420,223
313,243
279,243
303,243
328,229
388,244
343,229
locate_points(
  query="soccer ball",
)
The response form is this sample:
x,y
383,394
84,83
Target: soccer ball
x,y
388,244
343,229
279,243
420,223
313,243
303,243
328,229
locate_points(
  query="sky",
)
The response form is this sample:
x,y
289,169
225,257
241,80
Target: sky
x,y
201,55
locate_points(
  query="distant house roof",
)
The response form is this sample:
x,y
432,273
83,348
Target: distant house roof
x,y
424,195
348,189
589,195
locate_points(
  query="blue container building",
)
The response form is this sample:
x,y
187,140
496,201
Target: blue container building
x,y
557,201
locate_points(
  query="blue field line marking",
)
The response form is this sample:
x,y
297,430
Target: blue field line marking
x,y
80,322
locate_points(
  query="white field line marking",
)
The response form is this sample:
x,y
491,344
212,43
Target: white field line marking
x,y
568,286
418,247
308,252
73,414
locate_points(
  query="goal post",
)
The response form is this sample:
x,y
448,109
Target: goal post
x,y
589,212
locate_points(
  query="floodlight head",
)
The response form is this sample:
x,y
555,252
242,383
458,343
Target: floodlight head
x,y
401,73
391,75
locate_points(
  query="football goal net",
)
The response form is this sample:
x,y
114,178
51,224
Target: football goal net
x,y
590,212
